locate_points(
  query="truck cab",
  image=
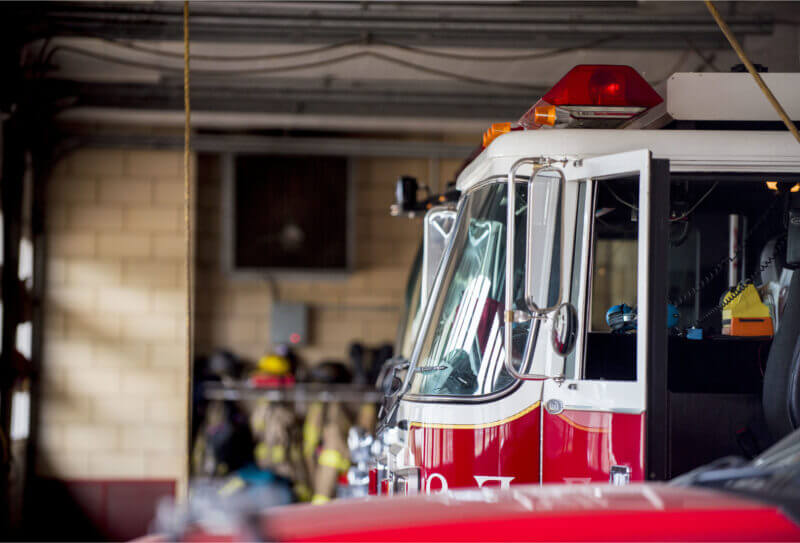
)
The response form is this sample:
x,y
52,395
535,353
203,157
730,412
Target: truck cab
x,y
574,331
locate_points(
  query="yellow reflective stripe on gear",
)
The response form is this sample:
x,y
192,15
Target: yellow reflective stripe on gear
x,y
233,484
261,453
319,499
310,439
311,431
333,459
278,454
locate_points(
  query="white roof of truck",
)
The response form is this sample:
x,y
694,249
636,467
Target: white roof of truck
x,y
687,150
696,96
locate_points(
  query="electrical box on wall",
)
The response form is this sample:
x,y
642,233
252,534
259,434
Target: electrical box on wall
x,y
289,324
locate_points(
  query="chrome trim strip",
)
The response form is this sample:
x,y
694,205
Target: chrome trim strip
x,y
595,409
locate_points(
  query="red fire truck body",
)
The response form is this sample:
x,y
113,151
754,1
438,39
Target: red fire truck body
x,y
572,402
651,512
727,500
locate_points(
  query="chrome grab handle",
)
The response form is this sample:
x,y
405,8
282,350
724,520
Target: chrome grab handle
x,y
619,475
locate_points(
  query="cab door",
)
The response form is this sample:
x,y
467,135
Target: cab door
x,y
595,419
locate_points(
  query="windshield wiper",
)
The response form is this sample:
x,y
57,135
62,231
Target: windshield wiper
x,y
429,369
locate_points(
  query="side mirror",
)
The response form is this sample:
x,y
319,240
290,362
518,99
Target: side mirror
x,y
388,381
438,228
564,329
394,386
545,239
543,292
391,385
405,195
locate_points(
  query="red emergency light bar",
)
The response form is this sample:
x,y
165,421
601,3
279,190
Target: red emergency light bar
x,y
602,85
591,95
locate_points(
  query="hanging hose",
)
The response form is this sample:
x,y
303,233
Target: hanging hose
x,y
750,68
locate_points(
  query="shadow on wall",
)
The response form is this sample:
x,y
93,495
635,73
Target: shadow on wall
x,y
92,510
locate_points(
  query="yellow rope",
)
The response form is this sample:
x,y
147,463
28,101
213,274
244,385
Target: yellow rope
x,y
750,68
187,215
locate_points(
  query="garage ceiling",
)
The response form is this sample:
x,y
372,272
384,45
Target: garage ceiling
x,y
420,66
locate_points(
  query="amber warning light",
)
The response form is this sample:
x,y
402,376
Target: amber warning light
x,y
592,96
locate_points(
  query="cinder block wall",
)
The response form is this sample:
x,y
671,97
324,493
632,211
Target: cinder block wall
x,y
235,313
114,398
115,374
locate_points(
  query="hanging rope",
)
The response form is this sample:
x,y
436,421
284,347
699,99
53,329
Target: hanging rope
x,y
750,68
187,209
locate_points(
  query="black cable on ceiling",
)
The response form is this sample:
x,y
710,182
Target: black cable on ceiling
x,y
496,58
409,48
343,58
308,65
243,58
452,75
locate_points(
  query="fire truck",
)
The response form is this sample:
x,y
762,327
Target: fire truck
x,y
615,300
728,500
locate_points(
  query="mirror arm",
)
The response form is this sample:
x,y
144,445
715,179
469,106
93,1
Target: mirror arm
x,y
508,358
523,315
523,376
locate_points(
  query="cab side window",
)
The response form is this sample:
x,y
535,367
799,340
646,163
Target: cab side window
x,y
613,278
610,352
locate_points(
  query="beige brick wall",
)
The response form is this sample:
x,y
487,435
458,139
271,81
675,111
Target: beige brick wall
x,y
234,313
115,371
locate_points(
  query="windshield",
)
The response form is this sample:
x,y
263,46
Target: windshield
x,y
463,351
